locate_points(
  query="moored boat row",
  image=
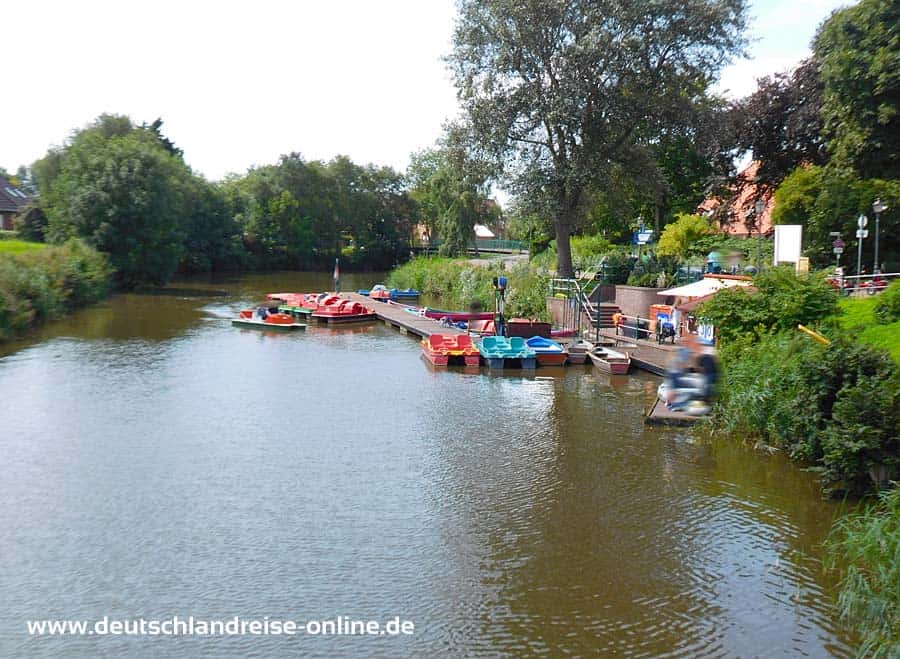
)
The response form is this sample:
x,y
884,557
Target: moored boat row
x,y
442,348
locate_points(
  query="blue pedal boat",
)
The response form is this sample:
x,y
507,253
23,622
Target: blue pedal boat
x,y
497,351
548,352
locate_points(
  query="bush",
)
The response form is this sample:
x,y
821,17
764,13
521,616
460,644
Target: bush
x,y
40,285
865,547
887,308
781,301
31,224
835,406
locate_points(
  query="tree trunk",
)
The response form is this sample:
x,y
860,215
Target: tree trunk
x,y
565,220
564,268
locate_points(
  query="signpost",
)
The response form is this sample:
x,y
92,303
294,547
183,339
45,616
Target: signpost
x,y
838,249
861,233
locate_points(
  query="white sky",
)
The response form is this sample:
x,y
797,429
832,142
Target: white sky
x,y
240,83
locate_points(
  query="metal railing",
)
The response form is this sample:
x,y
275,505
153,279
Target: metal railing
x,y
871,284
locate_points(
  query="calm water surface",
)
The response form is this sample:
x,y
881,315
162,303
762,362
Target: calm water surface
x,y
158,462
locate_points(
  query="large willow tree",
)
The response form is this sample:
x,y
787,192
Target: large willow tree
x,y
563,93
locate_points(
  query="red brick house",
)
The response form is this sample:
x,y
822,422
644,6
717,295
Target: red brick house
x,y
737,215
12,201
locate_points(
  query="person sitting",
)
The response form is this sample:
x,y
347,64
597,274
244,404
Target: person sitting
x,y
708,366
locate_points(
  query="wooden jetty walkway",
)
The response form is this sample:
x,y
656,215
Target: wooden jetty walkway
x,y
407,323
647,355
660,415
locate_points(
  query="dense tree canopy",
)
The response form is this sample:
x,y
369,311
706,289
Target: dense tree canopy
x,y
562,92
299,214
781,122
859,48
126,190
117,187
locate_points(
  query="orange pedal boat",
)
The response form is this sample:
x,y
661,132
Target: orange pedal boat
x,y
441,349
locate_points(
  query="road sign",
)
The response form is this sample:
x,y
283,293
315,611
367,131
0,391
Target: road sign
x,y
862,233
861,222
838,250
838,244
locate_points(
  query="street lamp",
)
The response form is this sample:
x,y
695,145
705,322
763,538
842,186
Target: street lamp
x,y
879,207
759,207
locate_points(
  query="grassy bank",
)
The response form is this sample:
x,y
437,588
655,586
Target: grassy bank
x,y
41,283
459,284
879,330
20,247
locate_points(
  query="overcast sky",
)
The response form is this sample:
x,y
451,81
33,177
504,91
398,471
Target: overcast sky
x,y
239,83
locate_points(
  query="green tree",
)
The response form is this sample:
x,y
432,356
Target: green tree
x,y
119,193
451,193
859,48
826,199
678,237
562,92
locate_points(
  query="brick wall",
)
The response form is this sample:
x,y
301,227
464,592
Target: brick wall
x,y
636,300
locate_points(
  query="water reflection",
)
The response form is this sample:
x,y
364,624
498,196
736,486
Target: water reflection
x,y
158,461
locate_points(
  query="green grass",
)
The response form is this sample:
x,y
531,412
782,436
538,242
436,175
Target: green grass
x,y
859,316
19,246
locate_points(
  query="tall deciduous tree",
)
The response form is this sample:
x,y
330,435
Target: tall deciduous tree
x,y
451,193
562,92
120,194
781,122
859,48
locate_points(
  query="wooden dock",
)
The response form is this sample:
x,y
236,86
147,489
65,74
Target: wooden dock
x,y
647,355
407,323
660,415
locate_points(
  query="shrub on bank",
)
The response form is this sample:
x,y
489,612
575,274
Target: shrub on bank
x,y
779,302
887,308
865,547
46,283
836,407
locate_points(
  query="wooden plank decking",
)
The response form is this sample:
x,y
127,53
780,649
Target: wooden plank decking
x,y
647,355
660,415
407,323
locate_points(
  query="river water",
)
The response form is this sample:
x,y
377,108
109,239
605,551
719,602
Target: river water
x,y
158,462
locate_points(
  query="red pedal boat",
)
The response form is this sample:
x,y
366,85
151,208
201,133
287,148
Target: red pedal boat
x,y
441,349
345,311
274,321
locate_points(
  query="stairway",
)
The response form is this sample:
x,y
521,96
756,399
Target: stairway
x,y
605,312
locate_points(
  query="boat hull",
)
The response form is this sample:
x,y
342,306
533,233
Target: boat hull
x,y
613,365
345,319
457,316
551,358
253,323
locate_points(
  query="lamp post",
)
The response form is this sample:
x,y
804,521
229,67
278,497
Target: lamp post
x,y
759,207
878,207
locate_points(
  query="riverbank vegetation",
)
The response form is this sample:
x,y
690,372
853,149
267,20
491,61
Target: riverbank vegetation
x,y
865,551
125,190
460,284
835,407
875,320
40,284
